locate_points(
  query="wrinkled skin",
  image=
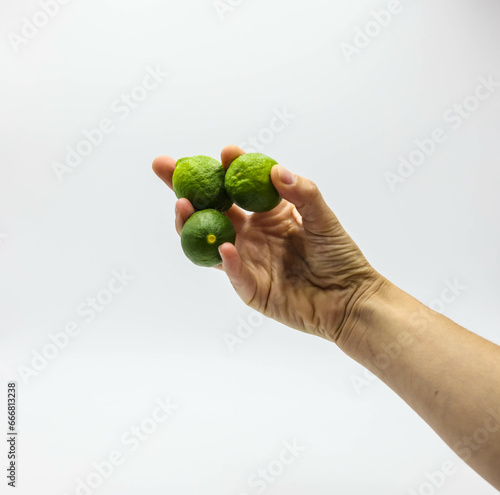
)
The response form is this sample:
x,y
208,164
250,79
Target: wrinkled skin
x,y
295,263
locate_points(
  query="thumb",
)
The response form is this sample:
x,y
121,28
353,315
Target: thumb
x,y
240,276
317,217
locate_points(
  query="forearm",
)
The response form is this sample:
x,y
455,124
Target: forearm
x,y
448,375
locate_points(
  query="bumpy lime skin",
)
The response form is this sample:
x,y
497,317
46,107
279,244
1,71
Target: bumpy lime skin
x,y
194,236
201,180
248,183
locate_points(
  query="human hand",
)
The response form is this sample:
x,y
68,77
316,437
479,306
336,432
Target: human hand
x,y
295,263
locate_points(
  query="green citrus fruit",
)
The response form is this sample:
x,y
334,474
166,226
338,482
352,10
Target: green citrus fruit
x,y
201,180
248,182
203,233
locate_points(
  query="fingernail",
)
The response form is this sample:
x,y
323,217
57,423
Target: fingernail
x,y
286,176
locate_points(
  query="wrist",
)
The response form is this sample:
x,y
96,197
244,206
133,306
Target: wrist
x,y
385,324
371,314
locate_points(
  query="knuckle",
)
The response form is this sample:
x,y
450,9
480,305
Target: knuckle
x,y
312,190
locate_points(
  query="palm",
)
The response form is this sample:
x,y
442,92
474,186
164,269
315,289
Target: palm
x,y
302,280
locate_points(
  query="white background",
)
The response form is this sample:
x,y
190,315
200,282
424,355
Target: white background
x,y
163,336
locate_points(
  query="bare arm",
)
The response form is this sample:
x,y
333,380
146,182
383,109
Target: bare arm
x,y
448,375
297,264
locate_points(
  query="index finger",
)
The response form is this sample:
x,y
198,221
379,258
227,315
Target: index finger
x,y
229,154
164,167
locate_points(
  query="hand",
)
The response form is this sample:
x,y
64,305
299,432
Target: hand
x,y
295,263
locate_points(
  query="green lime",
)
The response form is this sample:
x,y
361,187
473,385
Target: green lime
x,y
248,182
201,180
203,233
